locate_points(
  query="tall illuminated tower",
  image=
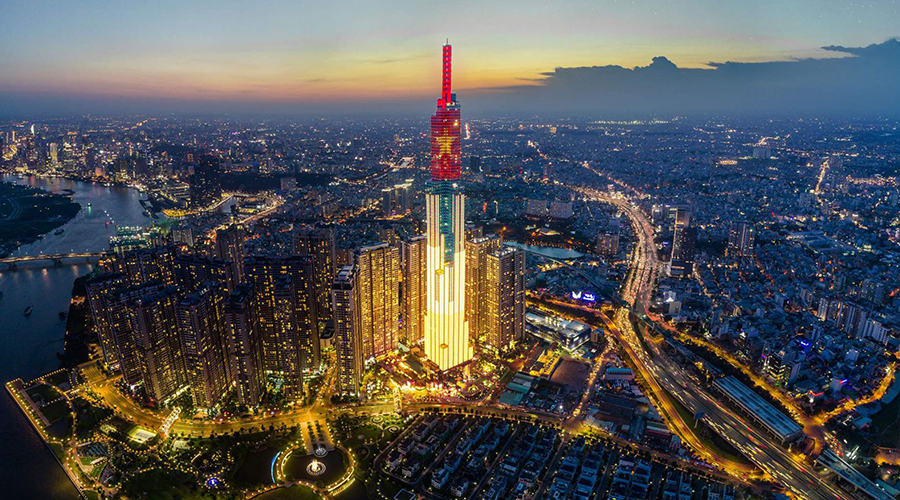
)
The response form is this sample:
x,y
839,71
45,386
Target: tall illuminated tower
x,y
446,329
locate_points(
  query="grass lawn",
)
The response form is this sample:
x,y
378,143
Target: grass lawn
x,y
45,391
57,450
88,417
159,484
298,492
56,411
58,378
369,432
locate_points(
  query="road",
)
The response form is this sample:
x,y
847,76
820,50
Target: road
x,y
661,373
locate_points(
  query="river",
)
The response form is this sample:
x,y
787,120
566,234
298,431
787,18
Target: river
x,y
28,345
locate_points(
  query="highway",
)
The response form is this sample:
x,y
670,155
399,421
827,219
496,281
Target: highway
x,y
787,469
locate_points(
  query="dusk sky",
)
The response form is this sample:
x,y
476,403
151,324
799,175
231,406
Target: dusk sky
x,y
202,55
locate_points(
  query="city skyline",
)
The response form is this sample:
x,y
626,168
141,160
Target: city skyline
x,y
295,59
245,254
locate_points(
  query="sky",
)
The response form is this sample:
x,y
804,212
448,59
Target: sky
x,y
71,56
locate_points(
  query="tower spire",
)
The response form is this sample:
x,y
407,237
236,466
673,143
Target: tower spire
x,y
446,87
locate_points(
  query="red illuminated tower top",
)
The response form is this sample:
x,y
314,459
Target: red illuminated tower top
x,y
446,92
446,158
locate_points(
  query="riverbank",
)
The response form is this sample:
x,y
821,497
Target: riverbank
x,y
33,345
17,390
27,213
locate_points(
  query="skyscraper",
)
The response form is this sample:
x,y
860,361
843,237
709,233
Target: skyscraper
x,y
150,264
154,321
318,244
347,340
379,299
504,292
230,248
684,244
244,345
202,330
446,330
286,315
477,251
123,333
414,280
192,271
100,300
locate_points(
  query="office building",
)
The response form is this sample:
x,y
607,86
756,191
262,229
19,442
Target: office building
x,y
684,245
446,331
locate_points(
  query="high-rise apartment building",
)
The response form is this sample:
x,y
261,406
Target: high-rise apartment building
x,y
477,251
318,244
150,264
347,339
192,271
504,292
415,291
100,300
290,320
121,326
446,330
379,298
291,301
154,321
608,244
230,248
202,330
244,345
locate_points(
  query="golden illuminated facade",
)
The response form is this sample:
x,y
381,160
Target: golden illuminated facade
x,y
504,298
347,340
446,329
379,299
477,251
415,291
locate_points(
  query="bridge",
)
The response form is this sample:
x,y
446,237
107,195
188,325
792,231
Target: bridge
x,y
55,259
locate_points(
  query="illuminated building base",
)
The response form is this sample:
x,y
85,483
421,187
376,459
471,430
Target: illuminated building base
x,y
446,329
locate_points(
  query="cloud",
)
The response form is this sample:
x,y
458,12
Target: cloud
x,y
865,82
